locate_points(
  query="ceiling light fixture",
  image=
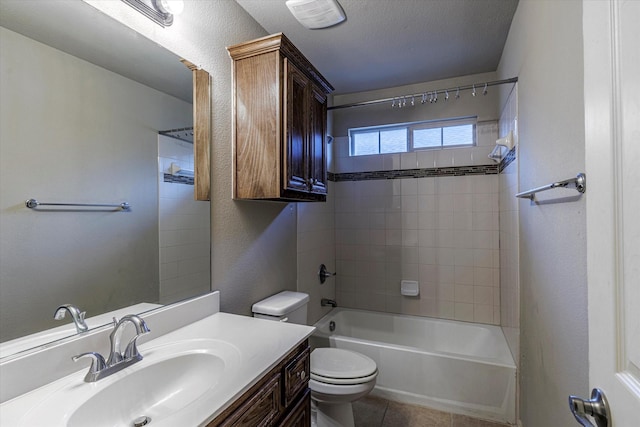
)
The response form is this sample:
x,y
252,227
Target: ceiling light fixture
x,y
315,14
159,11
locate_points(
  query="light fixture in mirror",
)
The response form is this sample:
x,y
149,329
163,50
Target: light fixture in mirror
x,y
172,7
89,137
159,11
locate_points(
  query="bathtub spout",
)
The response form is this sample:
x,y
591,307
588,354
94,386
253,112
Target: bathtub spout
x,y
325,302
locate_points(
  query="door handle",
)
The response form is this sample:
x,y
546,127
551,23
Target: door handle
x,y
597,407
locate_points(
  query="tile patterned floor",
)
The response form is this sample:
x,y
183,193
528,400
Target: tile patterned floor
x,y
376,412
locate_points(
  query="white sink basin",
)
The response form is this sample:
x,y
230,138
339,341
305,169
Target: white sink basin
x,y
155,391
165,382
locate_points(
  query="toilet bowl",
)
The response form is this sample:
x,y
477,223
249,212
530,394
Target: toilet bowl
x,y
338,376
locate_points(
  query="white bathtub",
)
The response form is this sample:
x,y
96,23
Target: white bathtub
x,y
465,368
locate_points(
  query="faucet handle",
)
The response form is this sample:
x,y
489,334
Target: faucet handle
x,y
97,364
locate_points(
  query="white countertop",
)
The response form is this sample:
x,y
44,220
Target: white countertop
x,y
260,345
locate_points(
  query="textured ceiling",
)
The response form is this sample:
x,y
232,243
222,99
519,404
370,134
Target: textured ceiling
x,y
387,43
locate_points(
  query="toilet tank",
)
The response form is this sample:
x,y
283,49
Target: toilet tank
x,y
287,306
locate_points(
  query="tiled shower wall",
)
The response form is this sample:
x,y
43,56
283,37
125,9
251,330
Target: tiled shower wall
x,y
184,228
441,231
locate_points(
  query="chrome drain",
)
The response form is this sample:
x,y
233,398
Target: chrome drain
x,y
141,421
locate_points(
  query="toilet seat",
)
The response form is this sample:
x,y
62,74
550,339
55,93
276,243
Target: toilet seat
x,y
341,367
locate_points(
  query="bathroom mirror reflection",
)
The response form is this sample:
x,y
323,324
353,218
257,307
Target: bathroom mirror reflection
x,y
83,101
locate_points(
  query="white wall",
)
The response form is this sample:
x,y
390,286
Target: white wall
x,y
544,49
75,132
253,248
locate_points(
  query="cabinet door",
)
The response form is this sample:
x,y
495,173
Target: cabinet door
x,y
261,409
300,415
296,113
317,146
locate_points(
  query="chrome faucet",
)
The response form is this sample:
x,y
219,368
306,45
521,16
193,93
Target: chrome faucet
x,y
131,350
76,315
325,302
118,359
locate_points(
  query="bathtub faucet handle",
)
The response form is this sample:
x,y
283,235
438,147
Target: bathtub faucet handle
x,y
326,301
323,273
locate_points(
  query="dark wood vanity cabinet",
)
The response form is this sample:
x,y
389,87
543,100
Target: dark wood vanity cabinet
x,y
279,398
280,122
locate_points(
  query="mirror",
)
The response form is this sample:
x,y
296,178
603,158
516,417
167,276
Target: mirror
x,y
83,101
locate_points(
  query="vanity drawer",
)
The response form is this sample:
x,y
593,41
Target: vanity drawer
x,y
261,409
296,376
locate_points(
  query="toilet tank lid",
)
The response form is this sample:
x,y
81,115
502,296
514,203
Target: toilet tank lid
x,y
281,304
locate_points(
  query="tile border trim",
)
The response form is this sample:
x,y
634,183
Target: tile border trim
x,y
177,179
414,173
425,172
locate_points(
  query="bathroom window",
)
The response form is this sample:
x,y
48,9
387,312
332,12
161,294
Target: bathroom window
x,y
460,132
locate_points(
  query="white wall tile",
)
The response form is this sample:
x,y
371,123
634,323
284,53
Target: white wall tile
x,y
444,159
480,156
463,312
408,161
463,293
425,159
461,156
390,161
443,232
409,187
426,186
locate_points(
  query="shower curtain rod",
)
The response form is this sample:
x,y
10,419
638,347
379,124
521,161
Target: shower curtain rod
x,y
433,93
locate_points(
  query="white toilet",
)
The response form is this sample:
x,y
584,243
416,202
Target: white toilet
x,y
338,376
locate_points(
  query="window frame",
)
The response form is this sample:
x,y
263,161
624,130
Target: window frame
x,y
413,126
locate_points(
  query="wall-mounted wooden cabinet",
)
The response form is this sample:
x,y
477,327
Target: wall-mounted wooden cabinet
x,y
280,122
